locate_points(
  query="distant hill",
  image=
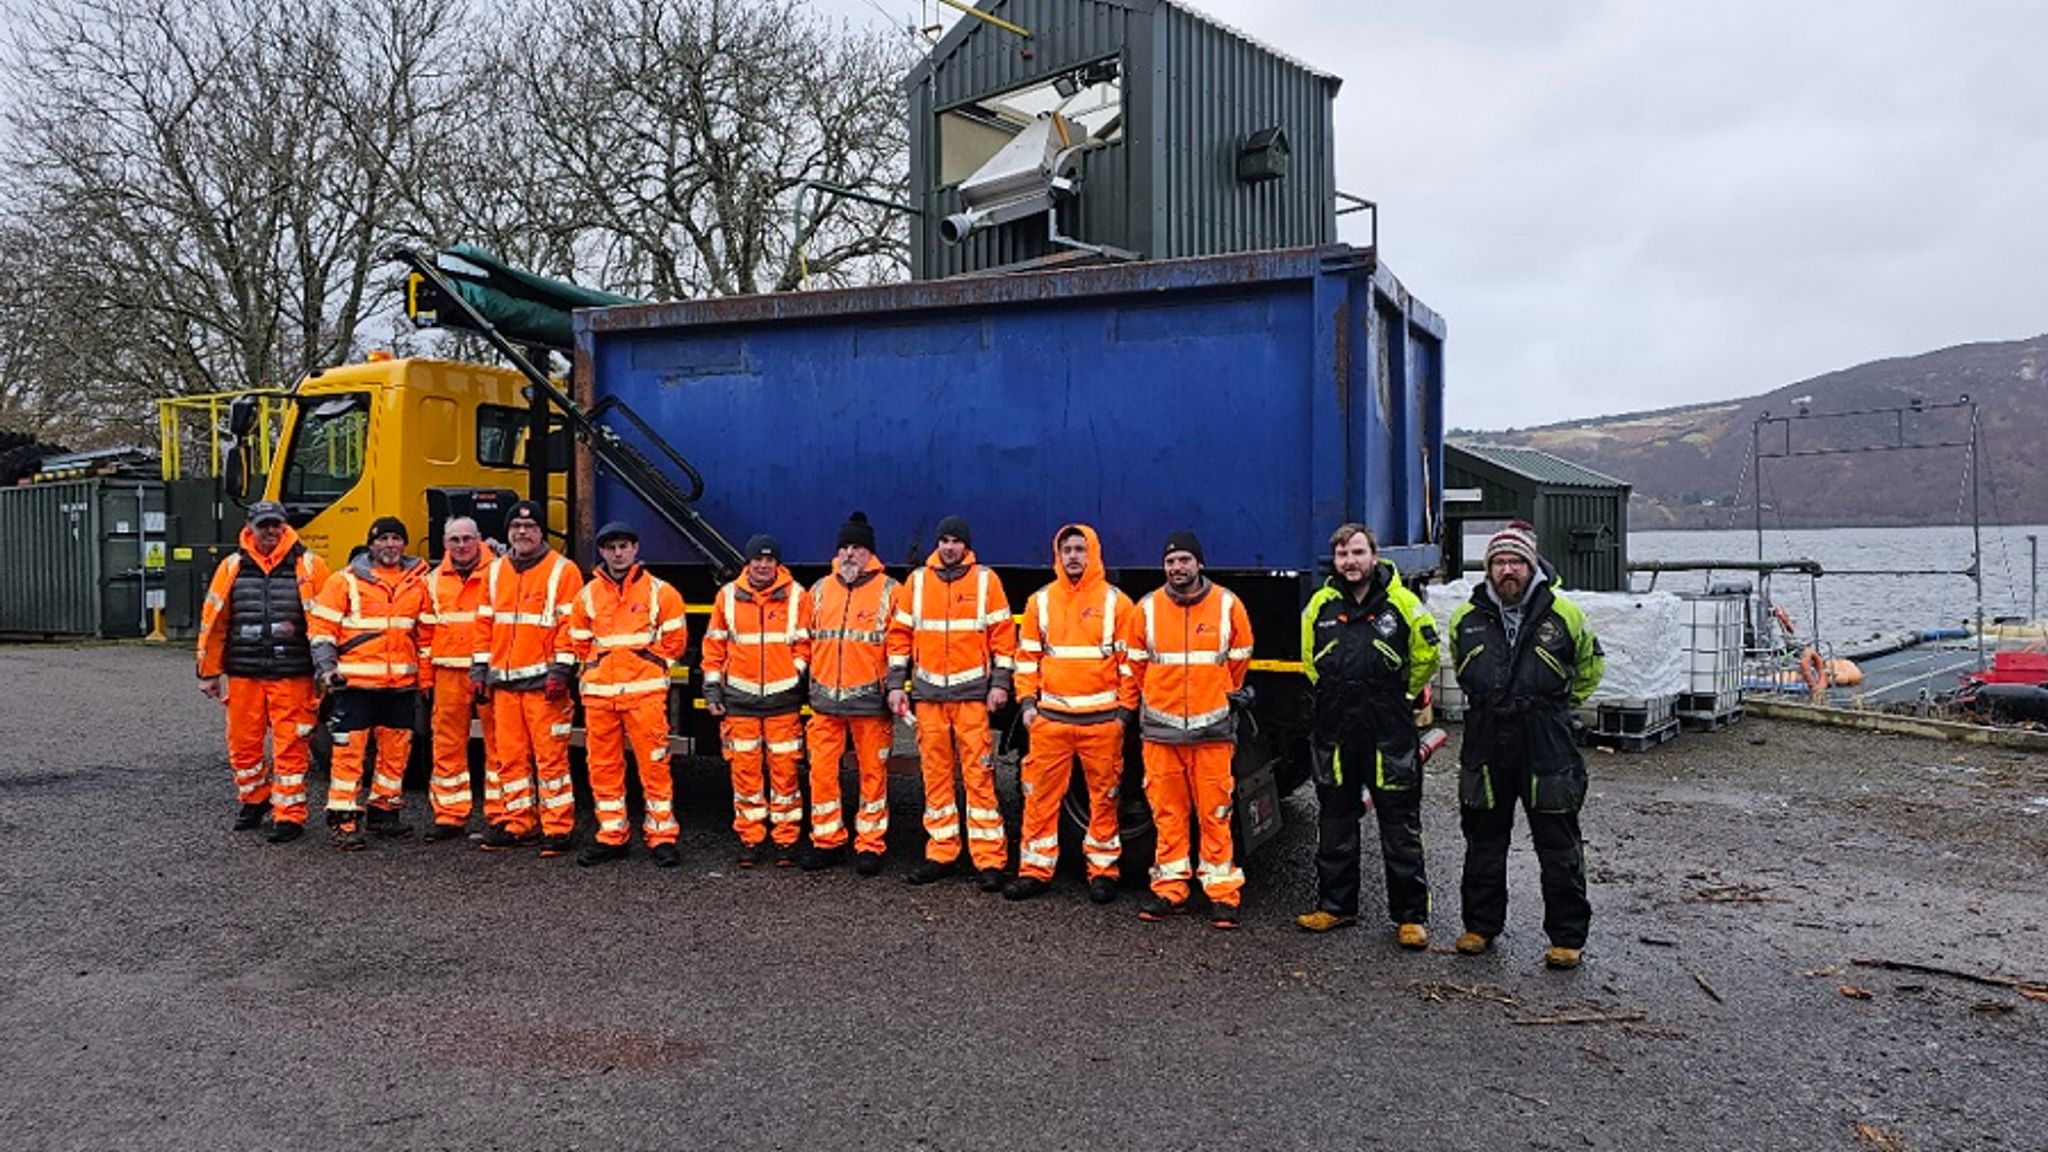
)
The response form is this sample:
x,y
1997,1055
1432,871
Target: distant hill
x,y
1690,465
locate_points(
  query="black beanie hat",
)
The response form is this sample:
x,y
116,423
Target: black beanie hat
x,y
762,544
616,530
856,531
1184,541
526,510
388,524
956,527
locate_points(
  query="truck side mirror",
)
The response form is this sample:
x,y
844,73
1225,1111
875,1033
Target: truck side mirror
x,y
242,412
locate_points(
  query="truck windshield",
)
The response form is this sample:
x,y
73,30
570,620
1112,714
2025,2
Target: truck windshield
x,y
326,455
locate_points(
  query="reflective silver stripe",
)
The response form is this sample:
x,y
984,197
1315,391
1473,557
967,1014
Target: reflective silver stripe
x,y
1028,667
1219,874
386,781
555,783
454,617
853,634
445,783
560,729
745,745
951,679
350,668
1171,870
622,640
713,676
717,634
984,833
517,785
580,634
630,687
994,618
1223,615
864,824
668,626
1078,652
1185,659
1002,661
749,812
949,832
832,827
766,637
826,809
1039,859
377,623
769,689
521,672
1151,639
661,825
949,812
453,661
1240,653
1078,703
611,805
658,752
537,619
852,693
292,781
984,814
785,748
326,613
1186,723
304,729
1113,844
562,801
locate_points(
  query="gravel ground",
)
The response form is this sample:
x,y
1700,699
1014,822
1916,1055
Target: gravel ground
x,y
166,983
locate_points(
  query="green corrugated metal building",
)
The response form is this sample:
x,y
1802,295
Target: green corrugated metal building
x,y
1581,516
1213,142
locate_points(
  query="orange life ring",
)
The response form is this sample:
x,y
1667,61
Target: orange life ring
x,y
1784,621
1812,670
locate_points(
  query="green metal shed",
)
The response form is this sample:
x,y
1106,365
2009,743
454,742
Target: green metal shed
x,y
1196,139
1581,516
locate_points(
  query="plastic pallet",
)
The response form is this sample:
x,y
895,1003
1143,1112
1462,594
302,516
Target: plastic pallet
x,y
1709,721
1633,741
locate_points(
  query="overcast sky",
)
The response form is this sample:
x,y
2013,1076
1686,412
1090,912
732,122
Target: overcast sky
x,y
1627,204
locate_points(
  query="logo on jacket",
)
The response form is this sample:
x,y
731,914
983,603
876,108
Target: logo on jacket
x,y
1387,623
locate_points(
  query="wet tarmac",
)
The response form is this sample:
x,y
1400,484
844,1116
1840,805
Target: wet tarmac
x,y
168,983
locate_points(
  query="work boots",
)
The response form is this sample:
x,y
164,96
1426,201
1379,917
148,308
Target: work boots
x,y
601,854
345,830
285,831
1563,958
251,817
1322,920
441,830
664,856
932,871
1025,888
388,824
1413,937
867,863
1102,889
1473,944
818,859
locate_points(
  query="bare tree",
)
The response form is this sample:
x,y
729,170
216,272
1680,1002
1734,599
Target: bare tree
x,y
221,172
681,130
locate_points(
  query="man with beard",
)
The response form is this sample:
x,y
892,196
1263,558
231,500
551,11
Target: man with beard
x,y
850,650
1369,648
1525,659
1196,648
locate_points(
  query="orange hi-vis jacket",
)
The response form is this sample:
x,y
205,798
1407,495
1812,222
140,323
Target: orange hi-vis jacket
x,y
1073,659
366,624
851,642
282,642
1190,659
961,635
520,620
625,634
757,647
448,632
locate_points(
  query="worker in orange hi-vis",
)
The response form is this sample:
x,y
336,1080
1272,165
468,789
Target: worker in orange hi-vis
x,y
255,659
455,589
850,612
962,644
1195,648
626,628
1077,691
756,649
366,657
524,667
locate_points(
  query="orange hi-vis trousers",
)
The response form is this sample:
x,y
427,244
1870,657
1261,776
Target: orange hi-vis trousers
x,y
609,725
766,792
533,750
1048,770
286,711
448,789
951,735
828,737
1178,776
387,781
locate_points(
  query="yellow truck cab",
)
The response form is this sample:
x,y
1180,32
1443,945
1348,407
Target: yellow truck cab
x,y
414,438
